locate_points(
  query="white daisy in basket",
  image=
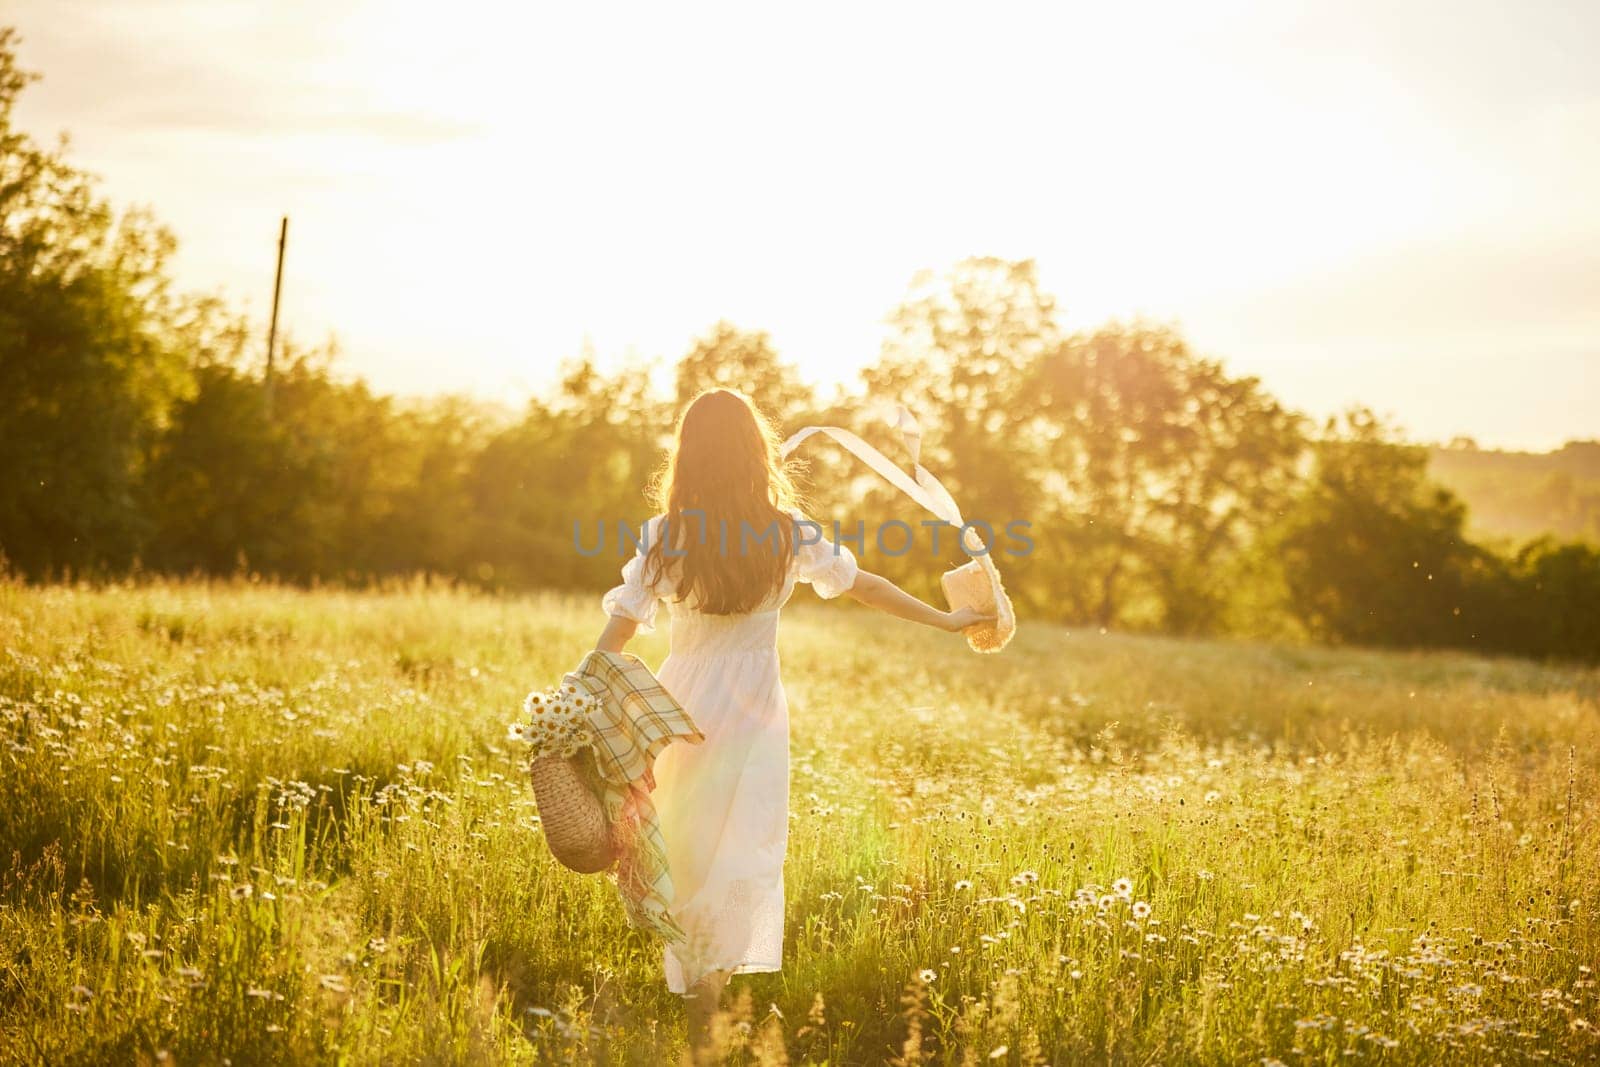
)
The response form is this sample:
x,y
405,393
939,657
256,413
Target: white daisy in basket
x,y
558,721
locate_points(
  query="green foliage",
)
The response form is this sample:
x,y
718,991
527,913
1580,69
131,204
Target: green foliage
x,y
1144,470
1169,468
578,462
958,354
276,826
89,362
1559,588
332,482
1375,555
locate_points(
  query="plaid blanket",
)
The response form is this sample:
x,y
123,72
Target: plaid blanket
x,y
634,718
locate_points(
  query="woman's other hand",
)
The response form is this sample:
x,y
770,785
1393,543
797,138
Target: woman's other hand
x,y
963,618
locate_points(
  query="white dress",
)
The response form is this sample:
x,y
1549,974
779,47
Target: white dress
x,y
724,804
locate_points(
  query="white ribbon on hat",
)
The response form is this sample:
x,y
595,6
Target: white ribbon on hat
x,y
925,489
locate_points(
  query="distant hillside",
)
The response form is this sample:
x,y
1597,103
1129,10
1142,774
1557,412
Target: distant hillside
x,y
1524,494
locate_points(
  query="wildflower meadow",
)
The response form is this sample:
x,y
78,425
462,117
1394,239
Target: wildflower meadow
x,y
249,824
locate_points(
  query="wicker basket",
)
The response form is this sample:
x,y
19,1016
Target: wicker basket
x,y
976,584
571,813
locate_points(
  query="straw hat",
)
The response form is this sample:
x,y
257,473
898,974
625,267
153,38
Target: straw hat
x,y
976,584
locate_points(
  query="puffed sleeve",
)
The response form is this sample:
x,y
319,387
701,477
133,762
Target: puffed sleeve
x,y
635,598
828,566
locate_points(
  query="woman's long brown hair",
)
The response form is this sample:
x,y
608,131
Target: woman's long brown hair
x,y
725,465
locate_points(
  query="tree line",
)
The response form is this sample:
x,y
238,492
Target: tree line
x,y
1162,492
1517,495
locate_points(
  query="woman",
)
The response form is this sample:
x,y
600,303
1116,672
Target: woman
x,y
737,547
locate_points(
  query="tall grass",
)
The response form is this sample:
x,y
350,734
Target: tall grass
x,y
262,825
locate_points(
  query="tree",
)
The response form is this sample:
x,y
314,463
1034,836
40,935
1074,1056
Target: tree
x,y
301,493
730,358
1558,600
956,356
1374,554
581,457
1144,470
1164,469
429,523
90,363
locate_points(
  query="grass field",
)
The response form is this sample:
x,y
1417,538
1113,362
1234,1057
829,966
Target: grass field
x,y
256,825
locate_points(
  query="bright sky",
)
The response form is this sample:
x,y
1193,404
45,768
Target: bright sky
x,y
1391,203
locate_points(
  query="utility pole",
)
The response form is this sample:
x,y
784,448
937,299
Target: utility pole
x,y
277,289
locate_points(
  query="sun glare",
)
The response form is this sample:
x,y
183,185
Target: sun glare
x,y
478,194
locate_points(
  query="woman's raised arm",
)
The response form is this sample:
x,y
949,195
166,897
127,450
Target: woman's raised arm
x,y
876,591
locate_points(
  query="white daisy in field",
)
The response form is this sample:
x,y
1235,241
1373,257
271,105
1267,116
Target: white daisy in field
x,y
517,732
1141,910
927,975
1122,887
